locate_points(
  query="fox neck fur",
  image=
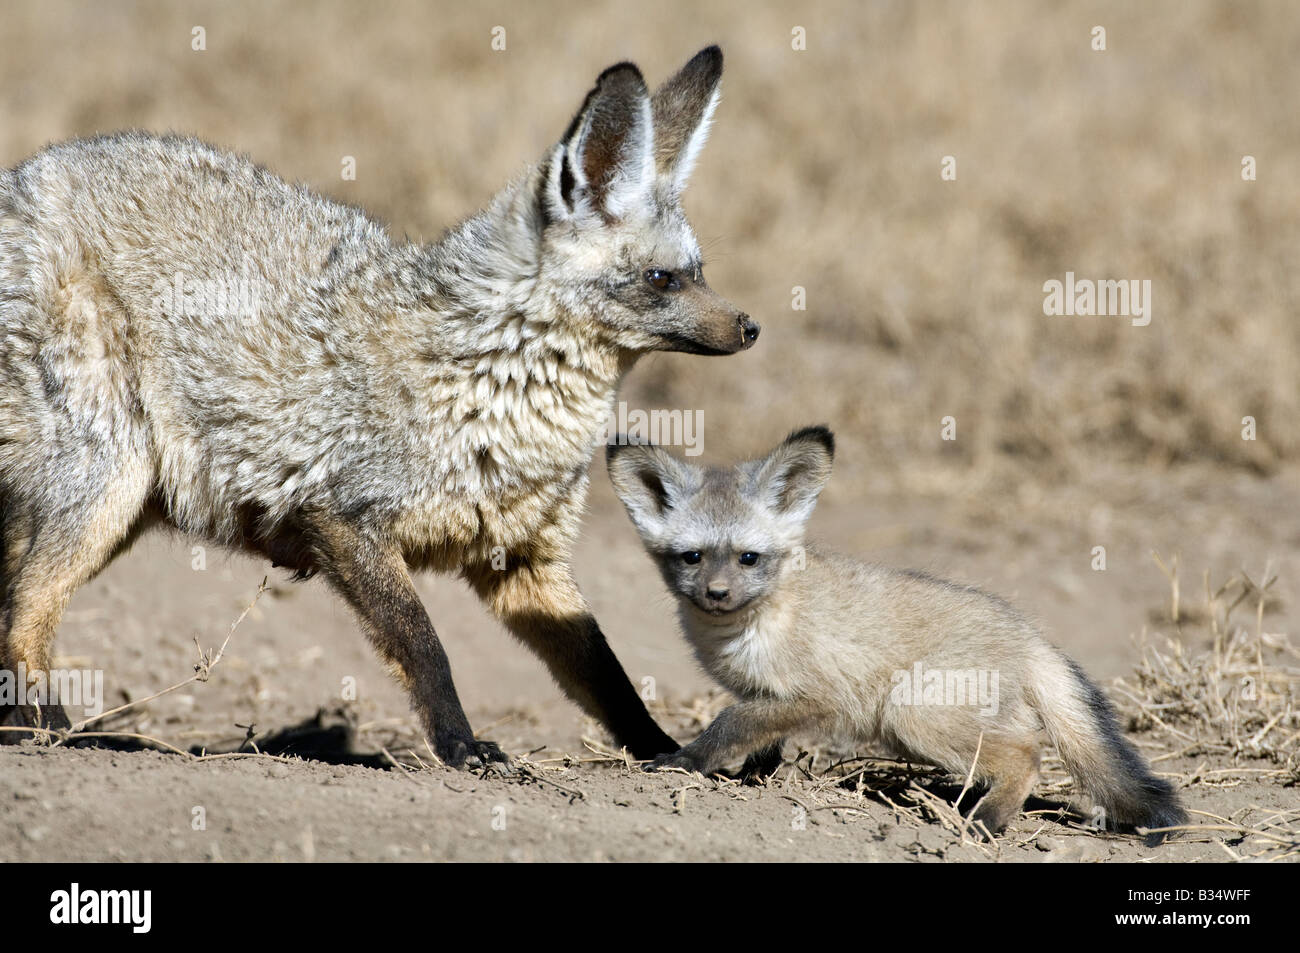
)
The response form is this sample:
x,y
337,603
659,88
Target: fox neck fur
x,y
503,357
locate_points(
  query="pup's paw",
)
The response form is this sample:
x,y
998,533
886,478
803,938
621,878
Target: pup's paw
x,y
680,758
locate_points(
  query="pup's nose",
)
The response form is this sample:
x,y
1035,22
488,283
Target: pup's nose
x,y
718,593
748,329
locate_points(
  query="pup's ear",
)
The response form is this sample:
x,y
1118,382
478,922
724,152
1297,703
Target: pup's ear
x,y
790,478
683,108
649,481
605,163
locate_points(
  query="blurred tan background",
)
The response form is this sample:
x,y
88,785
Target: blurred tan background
x,y
923,297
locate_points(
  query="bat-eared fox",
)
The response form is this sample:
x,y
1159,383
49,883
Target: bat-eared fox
x,y
187,340
810,642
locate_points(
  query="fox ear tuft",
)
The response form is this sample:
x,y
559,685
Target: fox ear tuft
x,y
605,163
683,108
791,477
820,434
648,480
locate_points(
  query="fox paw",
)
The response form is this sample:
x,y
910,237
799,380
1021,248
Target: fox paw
x,y
653,745
469,753
677,759
50,718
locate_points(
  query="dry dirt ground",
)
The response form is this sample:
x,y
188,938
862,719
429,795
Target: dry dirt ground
x,y
297,649
923,300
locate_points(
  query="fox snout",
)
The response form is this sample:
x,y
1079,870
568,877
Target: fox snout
x,y
737,334
715,327
731,331
717,595
720,594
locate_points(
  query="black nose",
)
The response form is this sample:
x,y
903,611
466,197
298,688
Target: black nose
x,y
748,329
717,594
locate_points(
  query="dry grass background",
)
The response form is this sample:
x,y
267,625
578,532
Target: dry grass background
x,y
924,297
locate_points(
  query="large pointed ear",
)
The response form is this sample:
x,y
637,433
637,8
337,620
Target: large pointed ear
x,y
789,479
650,482
605,163
683,108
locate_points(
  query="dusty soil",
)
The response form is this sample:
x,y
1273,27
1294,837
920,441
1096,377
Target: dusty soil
x,y
291,655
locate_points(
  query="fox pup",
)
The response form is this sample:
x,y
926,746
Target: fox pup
x,y
187,340
813,642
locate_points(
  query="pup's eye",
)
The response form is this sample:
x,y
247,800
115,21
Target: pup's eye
x,y
691,558
749,559
662,280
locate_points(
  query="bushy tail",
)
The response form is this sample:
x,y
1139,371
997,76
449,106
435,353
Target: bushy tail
x,y
1082,724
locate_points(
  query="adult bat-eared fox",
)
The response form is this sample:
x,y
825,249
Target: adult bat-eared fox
x,y
185,339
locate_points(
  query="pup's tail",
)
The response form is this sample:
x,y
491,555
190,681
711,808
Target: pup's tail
x,y
1082,724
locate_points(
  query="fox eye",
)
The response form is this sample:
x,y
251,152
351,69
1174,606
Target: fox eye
x,y
749,559
662,280
691,558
